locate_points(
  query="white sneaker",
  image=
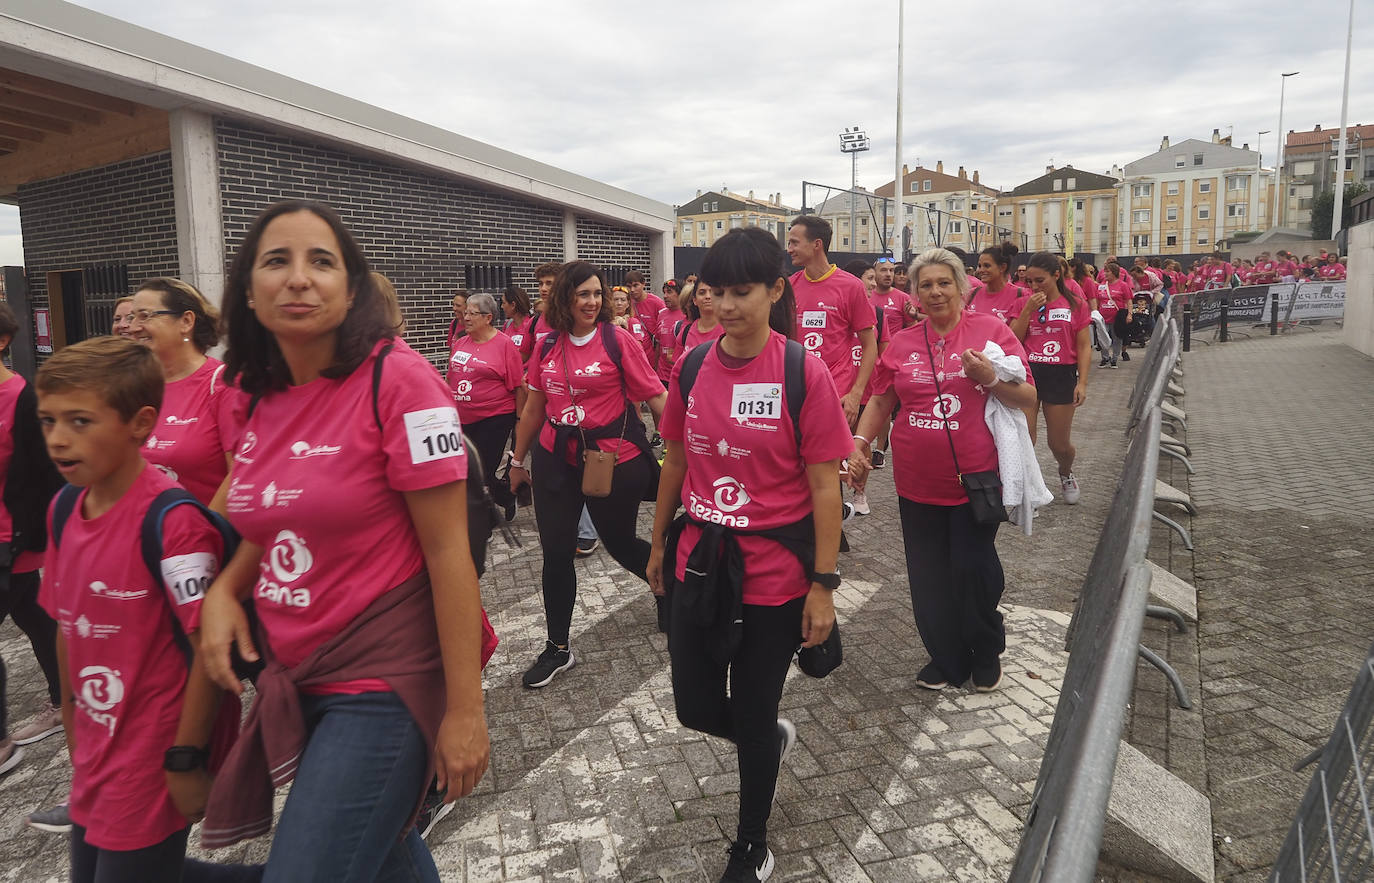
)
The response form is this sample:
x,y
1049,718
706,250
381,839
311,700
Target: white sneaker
x,y
849,511
861,504
11,754
1070,486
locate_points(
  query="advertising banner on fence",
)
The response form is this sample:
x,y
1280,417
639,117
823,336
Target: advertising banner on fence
x,y
1316,300
1249,304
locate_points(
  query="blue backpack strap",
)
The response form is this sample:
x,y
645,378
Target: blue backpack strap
x,y
63,506
377,383
611,342
794,384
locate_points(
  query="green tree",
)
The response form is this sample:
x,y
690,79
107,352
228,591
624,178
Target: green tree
x,y
1321,209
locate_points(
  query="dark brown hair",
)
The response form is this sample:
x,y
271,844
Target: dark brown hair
x,y
558,310
550,269
124,374
9,326
1053,263
632,277
254,360
816,227
184,298
516,297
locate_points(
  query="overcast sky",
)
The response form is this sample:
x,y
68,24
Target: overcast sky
x,y
665,99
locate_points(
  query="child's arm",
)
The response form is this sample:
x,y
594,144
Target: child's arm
x,y
222,619
191,789
65,685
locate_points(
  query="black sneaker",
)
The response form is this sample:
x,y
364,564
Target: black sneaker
x,y
1125,356
1104,363
54,821
432,810
987,677
931,678
748,862
656,441
586,547
549,664
509,511
879,459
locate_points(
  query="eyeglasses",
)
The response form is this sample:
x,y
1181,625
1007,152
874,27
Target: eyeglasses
x,y
892,261
142,316
473,313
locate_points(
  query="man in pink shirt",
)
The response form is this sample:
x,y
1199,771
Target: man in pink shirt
x,y
885,295
832,311
646,306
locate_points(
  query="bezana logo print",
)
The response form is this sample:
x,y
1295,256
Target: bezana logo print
x,y
730,494
288,560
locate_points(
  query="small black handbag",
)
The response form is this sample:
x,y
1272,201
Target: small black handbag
x,y
984,489
825,657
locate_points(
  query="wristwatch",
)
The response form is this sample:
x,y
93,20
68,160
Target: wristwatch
x,y
829,581
184,758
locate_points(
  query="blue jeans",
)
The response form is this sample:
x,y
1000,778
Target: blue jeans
x,y
360,776
586,530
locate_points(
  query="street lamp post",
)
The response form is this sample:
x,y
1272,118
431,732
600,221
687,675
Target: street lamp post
x,y
1278,167
1337,203
853,141
899,222
1259,172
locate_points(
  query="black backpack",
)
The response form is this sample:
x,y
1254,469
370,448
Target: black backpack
x,y
794,378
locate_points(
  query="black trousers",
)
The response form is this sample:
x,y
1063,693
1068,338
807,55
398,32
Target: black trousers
x,y
19,600
489,437
159,863
748,716
956,582
556,513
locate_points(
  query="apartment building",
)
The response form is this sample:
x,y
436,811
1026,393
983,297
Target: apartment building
x,y
868,233
1042,212
1190,197
941,209
1309,168
706,218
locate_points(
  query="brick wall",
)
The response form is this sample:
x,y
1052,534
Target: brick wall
x,y
418,229
614,247
122,212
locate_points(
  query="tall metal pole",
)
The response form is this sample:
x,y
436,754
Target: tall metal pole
x,y
899,225
1338,203
853,198
1259,172
1278,168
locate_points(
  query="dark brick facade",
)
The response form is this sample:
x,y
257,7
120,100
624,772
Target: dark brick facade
x,y
611,246
116,213
419,229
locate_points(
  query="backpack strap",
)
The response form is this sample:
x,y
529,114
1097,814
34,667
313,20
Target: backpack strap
x,y
878,324
794,384
63,506
377,382
547,346
691,366
683,329
611,343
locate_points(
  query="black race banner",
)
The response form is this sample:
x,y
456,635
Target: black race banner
x,y
1248,305
1316,300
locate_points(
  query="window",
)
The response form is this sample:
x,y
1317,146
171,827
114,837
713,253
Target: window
x,y
1180,161
736,221
1102,246
1058,184
846,241
1172,188
925,185
1204,212
702,226
1073,182
1202,239
1078,205
914,186
956,205
1140,216
720,225
1139,241
686,229
1204,187
863,222
1005,212
1349,163
1304,168
1197,159
956,226
1023,211
715,206
1369,165
1171,213
1237,183
1142,191
1235,210
1171,240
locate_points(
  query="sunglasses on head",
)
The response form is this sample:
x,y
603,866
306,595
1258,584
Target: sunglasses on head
x,y
886,261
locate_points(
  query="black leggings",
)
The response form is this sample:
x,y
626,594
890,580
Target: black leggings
x,y
556,512
956,581
489,438
19,599
159,863
749,715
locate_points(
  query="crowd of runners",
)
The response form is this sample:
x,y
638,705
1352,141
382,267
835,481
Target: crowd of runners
x,y
318,517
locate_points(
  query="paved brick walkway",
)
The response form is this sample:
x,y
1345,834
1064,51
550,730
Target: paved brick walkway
x,y
592,778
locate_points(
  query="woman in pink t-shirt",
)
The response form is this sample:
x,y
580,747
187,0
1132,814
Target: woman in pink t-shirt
x,y
621,315
1114,303
1053,325
174,320
515,303
348,488
937,375
753,484
584,380
701,323
998,295
487,379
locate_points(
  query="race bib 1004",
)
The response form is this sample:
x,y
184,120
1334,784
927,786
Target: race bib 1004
x,y
433,434
188,576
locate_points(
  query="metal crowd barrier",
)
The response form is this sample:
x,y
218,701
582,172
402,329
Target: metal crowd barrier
x,y
1063,830
1332,837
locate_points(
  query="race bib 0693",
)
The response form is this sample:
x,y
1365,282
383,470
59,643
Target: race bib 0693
x,y
433,434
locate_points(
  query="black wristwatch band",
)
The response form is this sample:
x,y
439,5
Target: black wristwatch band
x,y
829,581
184,758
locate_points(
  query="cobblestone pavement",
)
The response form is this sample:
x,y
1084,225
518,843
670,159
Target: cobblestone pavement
x,y
592,778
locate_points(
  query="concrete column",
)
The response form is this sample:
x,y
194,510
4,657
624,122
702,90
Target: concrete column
x,y
569,235
660,259
195,186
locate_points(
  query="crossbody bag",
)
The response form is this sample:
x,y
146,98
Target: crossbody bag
x,y
984,489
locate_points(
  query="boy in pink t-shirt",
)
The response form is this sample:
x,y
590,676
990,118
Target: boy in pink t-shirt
x,y
138,716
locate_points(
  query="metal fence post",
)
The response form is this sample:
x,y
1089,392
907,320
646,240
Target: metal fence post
x,y
1274,315
1187,328
1225,308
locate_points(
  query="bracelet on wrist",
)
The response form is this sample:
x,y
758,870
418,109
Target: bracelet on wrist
x,y
517,464
995,380
866,441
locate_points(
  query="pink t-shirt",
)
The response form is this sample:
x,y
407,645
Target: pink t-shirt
x,y
647,311
1331,271
743,467
881,301
518,330
127,675
1265,272
1005,304
187,443
639,331
596,387
667,343
1216,275
1113,296
1286,268
31,560
1054,341
695,335
923,468
320,489
483,377
830,312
